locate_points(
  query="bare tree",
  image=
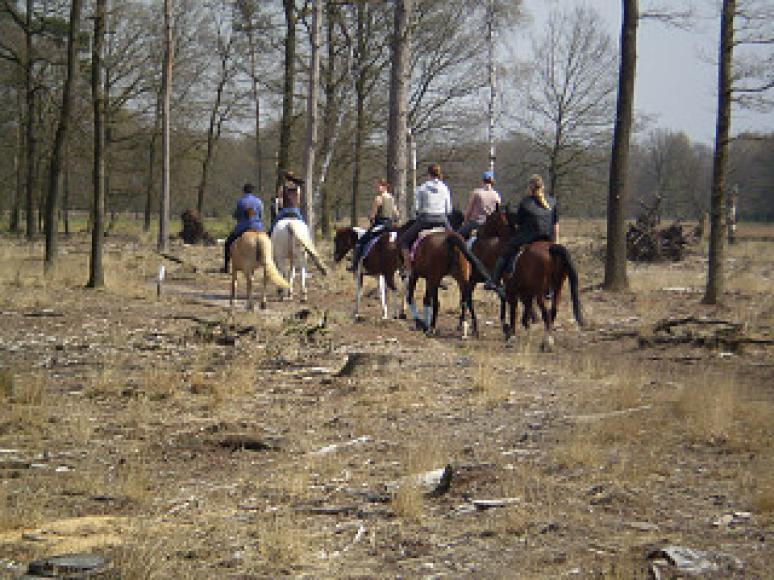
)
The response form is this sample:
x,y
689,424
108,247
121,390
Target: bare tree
x,y
52,222
163,241
399,79
615,258
311,115
96,272
283,159
569,97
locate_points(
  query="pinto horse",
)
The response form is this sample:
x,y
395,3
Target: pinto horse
x,y
541,269
439,254
381,261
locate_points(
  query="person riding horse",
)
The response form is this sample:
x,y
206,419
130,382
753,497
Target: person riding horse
x,y
537,220
483,201
383,213
287,204
432,203
248,214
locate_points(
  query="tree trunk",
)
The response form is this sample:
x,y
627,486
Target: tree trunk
x,y
288,89
151,165
96,273
311,116
211,138
166,90
30,125
360,78
715,282
18,160
615,259
66,189
399,79
55,169
490,21
257,104
329,121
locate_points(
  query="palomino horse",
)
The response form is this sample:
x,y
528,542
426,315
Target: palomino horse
x,y
381,261
248,251
439,254
292,242
540,270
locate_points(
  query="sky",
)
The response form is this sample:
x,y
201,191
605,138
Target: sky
x,y
676,70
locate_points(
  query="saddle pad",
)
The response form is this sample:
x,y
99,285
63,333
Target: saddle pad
x,y
422,235
372,242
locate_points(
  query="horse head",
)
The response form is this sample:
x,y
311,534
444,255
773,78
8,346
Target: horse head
x,y
343,242
496,224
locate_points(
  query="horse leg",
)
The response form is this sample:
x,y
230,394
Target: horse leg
x,y
249,286
233,287
411,286
358,292
427,304
503,323
431,301
526,316
302,263
512,315
383,296
263,290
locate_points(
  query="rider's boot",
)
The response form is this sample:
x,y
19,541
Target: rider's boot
x,y
493,283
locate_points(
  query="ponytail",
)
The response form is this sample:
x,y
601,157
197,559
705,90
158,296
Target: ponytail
x,y
537,190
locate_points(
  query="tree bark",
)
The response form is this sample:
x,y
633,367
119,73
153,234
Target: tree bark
x,y
18,159
360,79
96,273
166,91
715,283
55,169
398,122
213,133
283,159
615,259
256,101
149,185
329,121
311,117
30,124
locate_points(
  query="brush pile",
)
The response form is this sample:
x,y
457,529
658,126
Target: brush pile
x,y
647,242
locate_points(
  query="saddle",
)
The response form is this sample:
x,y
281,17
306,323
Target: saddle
x,y
421,236
372,242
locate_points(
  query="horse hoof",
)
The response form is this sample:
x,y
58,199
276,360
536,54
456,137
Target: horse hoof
x,y
547,345
263,305
358,318
430,332
402,316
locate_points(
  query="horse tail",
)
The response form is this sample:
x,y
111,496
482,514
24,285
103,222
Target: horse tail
x,y
564,255
302,235
264,256
456,241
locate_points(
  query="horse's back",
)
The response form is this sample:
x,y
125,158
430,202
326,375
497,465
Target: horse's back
x,y
244,252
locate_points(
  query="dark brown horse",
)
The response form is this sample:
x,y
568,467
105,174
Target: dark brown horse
x,y
488,245
381,261
438,255
540,270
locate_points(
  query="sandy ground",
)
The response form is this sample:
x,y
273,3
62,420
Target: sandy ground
x,y
186,439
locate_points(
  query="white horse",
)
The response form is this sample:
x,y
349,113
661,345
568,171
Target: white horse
x,y
248,252
291,243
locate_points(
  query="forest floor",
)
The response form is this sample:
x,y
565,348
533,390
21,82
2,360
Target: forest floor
x,y
184,439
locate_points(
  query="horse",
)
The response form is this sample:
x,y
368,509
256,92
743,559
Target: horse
x,y
381,261
291,242
540,270
438,254
248,251
488,245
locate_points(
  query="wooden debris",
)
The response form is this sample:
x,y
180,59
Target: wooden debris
x,y
368,363
705,332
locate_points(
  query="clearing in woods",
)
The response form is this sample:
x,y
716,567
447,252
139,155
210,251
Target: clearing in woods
x,y
183,440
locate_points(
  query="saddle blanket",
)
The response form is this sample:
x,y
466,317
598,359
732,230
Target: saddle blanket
x,y
372,242
422,235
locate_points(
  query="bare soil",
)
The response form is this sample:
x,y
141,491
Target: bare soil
x,y
184,439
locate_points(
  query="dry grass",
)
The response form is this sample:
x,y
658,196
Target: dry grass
x,y
283,541
408,502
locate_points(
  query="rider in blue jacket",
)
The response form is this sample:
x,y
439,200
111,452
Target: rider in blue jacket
x,y
248,213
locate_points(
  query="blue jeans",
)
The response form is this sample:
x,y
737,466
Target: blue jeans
x,y
285,213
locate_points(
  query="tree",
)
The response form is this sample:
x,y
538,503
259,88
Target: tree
x,y
166,92
311,115
283,159
399,79
615,258
96,272
569,96
52,221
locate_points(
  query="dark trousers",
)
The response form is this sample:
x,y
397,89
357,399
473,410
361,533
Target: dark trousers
x,y
408,237
518,239
377,228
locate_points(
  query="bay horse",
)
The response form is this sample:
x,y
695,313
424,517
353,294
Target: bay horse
x,y
248,251
489,243
381,261
540,270
439,254
291,242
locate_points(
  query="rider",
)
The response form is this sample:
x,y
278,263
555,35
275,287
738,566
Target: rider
x,y
288,199
483,201
383,213
432,203
537,220
248,212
